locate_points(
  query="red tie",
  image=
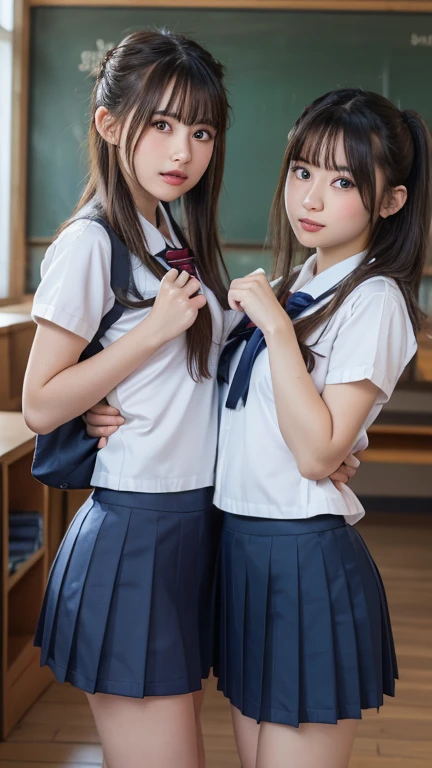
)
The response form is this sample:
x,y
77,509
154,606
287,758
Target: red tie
x,y
181,259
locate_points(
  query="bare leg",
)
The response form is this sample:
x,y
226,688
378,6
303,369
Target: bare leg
x,y
309,746
246,732
198,698
158,732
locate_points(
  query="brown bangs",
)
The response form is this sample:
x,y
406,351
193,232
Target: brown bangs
x,y
196,97
315,142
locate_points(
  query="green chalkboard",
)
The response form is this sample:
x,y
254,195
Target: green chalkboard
x,y
277,61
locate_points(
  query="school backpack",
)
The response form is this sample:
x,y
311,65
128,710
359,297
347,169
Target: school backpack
x,y
65,458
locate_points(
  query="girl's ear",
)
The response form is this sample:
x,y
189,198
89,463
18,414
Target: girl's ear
x,y
106,126
393,201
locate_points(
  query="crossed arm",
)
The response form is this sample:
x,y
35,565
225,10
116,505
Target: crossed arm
x,y
319,429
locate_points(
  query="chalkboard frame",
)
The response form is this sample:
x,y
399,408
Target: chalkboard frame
x,y
21,50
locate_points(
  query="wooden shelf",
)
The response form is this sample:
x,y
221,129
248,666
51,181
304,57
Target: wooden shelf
x,y
26,565
23,308
16,337
398,446
13,319
14,435
395,456
18,647
401,429
22,679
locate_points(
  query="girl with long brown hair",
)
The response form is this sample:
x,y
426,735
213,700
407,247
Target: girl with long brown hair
x,y
306,640
127,615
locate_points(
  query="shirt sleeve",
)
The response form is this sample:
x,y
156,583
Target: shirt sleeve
x,y
375,341
75,291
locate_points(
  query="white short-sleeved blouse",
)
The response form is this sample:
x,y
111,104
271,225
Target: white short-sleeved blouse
x,y
369,337
168,441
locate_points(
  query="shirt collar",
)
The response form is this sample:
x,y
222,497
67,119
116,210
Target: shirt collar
x,y
154,239
321,283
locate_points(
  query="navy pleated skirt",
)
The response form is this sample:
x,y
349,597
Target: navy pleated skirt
x,y
305,634
129,605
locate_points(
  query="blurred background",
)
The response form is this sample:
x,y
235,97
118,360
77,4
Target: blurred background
x,y
278,56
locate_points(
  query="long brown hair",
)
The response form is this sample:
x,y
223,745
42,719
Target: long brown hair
x,y
133,79
375,133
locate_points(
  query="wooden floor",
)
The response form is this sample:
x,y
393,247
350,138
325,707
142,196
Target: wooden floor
x,y
58,730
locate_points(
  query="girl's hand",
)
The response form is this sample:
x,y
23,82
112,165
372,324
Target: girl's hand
x,y
346,471
253,295
176,306
102,421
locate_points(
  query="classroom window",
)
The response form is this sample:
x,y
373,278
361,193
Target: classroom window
x,y
6,21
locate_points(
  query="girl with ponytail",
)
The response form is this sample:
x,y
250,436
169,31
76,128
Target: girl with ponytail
x,y
305,636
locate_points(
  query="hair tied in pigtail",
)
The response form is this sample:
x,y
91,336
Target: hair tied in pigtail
x,y
411,120
104,62
108,56
406,117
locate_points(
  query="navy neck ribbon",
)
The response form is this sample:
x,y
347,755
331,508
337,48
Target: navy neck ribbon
x,y
297,303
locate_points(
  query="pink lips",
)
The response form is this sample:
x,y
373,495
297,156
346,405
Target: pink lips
x,y
311,226
175,178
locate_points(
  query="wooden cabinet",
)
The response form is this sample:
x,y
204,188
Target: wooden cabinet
x,y
22,679
16,336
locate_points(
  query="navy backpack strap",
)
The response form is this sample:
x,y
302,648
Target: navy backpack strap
x,y
66,457
120,279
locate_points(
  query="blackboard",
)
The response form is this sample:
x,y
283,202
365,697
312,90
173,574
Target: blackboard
x,y
277,62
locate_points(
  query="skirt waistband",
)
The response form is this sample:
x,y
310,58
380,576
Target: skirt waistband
x,y
196,500
266,526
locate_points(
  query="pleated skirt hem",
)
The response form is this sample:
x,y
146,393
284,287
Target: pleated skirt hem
x,y
284,717
304,631
119,688
130,601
